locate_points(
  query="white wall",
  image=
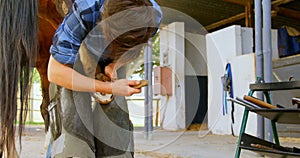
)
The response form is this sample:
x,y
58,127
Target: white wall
x,y
195,54
224,46
172,55
185,54
243,73
233,44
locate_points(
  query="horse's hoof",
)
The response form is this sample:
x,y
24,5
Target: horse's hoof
x,y
102,99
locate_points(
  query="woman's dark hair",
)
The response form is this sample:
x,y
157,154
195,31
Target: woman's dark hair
x,y
128,25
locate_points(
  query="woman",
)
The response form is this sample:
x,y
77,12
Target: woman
x,y
124,27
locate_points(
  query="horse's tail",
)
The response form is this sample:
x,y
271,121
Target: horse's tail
x,y
18,45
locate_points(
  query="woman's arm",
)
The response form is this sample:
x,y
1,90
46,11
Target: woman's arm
x,y
67,77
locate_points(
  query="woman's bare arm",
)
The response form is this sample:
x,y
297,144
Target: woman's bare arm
x,y
67,77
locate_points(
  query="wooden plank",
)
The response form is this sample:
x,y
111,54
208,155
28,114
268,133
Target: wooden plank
x,y
238,2
279,2
246,2
235,18
259,102
288,12
249,19
232,20
225,21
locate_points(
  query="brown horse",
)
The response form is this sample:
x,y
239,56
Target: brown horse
x,y
48,21
26,31
50,15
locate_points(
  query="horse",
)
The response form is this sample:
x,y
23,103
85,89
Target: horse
x,y
26,31
50,15
48,21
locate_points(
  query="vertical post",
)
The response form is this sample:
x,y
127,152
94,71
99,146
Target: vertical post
x,y
249,13
31,109
148,126
267,52
259,62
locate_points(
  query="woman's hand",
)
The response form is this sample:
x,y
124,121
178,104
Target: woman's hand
x,y
123,87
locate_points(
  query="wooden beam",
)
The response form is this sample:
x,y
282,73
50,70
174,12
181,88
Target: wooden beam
x,y
273,13
225,21
279,2
246,2
231,20
248,14
239,2
249,17
288,12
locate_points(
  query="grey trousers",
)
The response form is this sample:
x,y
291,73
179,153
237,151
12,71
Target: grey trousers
x,y
94,130
72,146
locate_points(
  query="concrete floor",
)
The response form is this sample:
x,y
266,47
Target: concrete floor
x,y
163,144
190,144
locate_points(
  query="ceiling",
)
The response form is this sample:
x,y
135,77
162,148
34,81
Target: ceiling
x,y
216,14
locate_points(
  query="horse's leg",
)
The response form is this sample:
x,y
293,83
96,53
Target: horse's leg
x,y
47,26
42,69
